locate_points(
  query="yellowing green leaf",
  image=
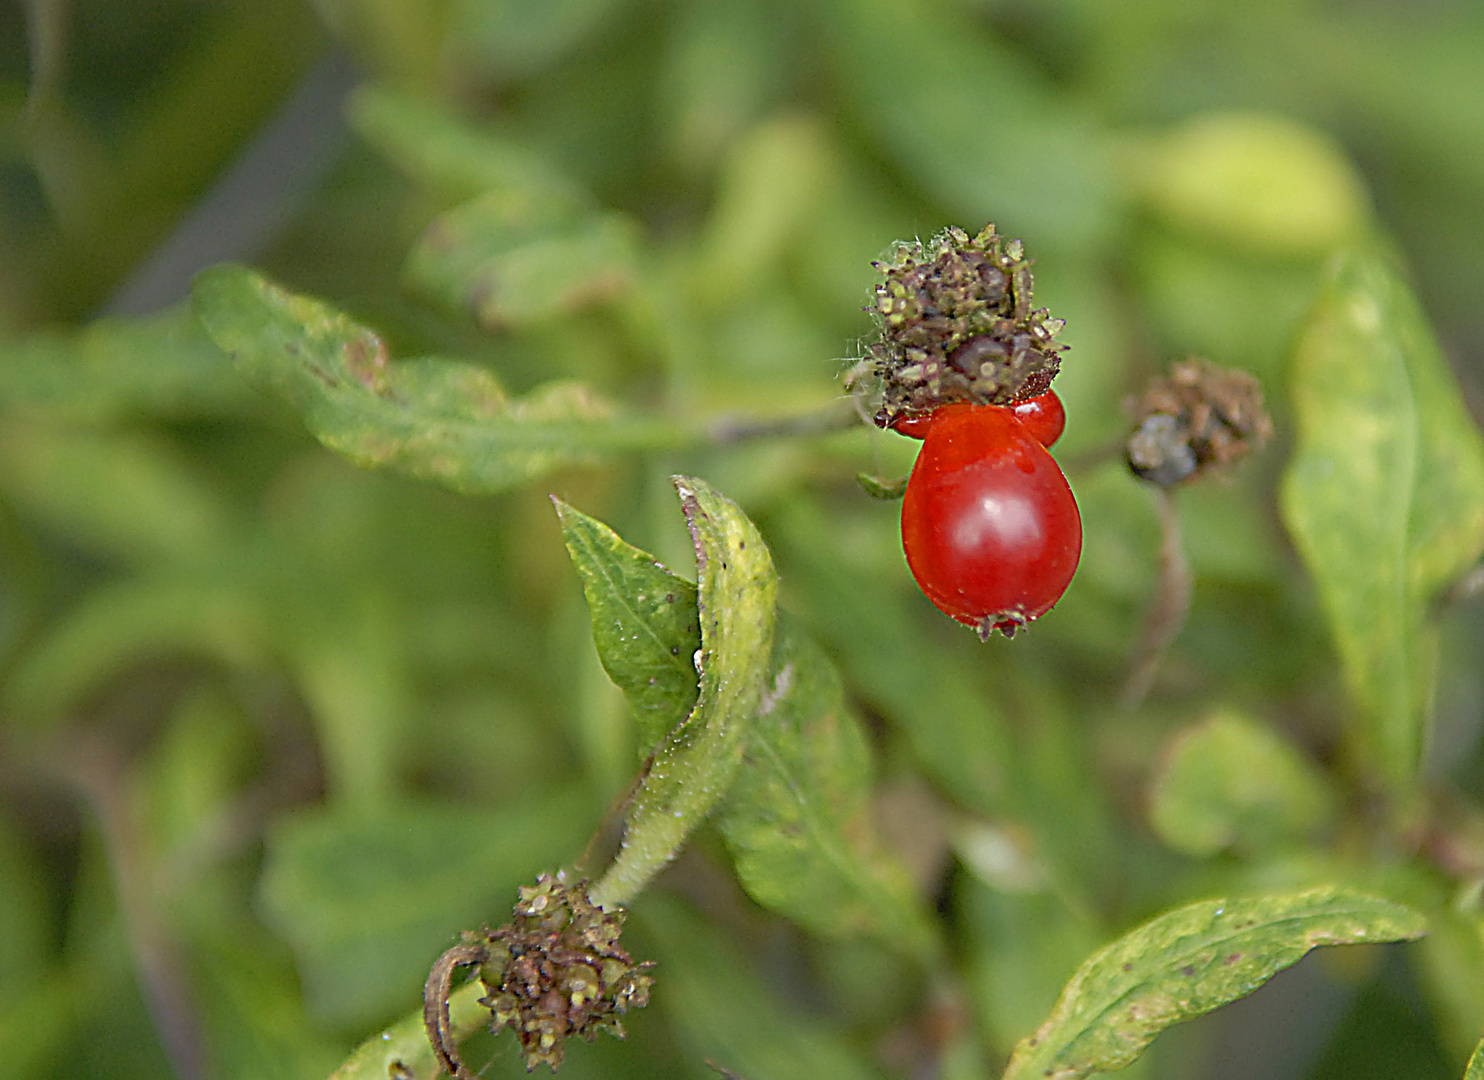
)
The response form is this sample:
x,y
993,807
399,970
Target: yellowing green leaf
x,y
1188,962
434,419
694,765
1384,496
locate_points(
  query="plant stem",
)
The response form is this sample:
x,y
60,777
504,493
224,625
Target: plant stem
x,y
1171,604
838,415
402,1051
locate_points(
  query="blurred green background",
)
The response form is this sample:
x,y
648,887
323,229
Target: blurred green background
x,y
273,729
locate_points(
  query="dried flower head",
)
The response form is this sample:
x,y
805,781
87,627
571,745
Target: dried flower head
x,y
556,970
957,326
1201,417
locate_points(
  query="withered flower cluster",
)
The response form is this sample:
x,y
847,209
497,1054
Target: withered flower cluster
x,y
1200,418
957,325
554,971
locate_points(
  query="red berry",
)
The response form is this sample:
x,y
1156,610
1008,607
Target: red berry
x,y
1043,416
989,525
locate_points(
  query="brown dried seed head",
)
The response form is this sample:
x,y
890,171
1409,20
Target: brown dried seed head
x,y
554,971
957,325
1199,418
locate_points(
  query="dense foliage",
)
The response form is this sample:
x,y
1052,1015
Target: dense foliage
x,y
302,672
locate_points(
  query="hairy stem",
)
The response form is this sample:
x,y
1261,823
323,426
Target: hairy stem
x,y
403,1052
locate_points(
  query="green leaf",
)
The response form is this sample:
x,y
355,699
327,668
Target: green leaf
x,y
41,1027
1188,962
349,662
368,900
433,419
724,65
26,944
460,159
118,368
507,270
1201,297
1384,496
695,764
798,817
1232,781
1476,1064
645,623
254,1015
771,184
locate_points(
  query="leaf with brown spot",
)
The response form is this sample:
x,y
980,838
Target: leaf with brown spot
x,y
1384,498
434,419
1187,962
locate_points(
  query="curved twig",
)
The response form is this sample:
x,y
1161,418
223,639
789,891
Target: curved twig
x,y
436,992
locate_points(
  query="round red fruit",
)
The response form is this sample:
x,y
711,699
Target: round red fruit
x,y
989,525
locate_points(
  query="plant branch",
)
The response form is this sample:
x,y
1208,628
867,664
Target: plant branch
x,y
838,415
1171,604
402,1051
